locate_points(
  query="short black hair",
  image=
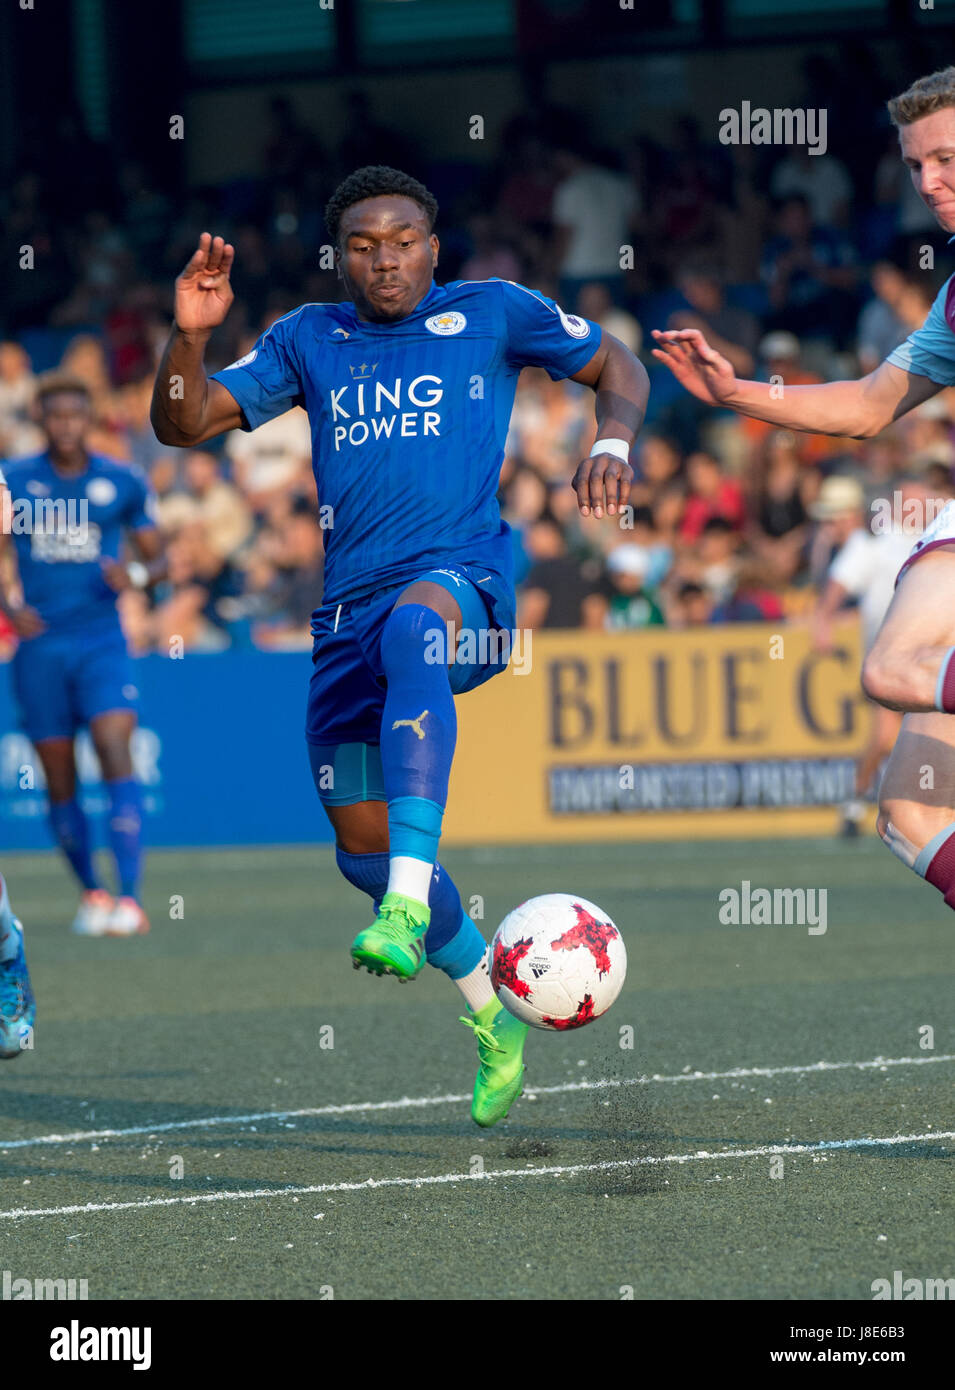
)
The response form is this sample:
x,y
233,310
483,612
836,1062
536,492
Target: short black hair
x,y
377,181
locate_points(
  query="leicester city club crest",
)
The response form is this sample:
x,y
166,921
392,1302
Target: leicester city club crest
x,y
446,324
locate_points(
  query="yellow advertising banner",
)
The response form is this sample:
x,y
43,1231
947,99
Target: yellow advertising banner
x,y
738,730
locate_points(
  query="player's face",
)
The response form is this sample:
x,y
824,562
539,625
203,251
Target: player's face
x,y
65,419
928,150
386,257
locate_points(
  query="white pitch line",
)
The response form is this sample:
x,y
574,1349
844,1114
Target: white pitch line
x,y
423,1102
373,1184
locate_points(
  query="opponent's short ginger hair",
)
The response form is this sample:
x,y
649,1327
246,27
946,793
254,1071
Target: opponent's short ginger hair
x,y
927,95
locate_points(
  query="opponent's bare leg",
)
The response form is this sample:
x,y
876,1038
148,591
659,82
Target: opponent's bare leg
x,y
886,728
917,800
904,669
910,667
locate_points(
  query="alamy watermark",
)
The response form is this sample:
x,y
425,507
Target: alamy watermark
x,y
904,516
45,516
779,125
910,1290
775,907
486,646
14,1288
76,1343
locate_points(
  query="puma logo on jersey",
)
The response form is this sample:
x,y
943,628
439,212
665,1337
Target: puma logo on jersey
x,y
412,723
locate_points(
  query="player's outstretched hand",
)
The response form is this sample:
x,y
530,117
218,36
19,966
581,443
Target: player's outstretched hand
x,y
603,478
26,622
203,292
696,366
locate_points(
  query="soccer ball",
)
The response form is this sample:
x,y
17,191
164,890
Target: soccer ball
x,y
557,961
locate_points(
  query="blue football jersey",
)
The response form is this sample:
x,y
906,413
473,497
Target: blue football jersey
x,y
408,420
62,527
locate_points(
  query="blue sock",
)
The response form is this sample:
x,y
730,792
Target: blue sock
x,y
71,833
452,942
462,954
125,832
416,756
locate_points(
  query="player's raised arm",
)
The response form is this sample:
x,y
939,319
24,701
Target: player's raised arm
x,y
859,409
187,407
623,389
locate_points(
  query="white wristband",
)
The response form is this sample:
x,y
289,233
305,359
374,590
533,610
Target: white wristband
x,y
618,447
138,574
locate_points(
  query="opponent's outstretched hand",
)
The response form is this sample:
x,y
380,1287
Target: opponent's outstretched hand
x,y
696,366
203,292
602,478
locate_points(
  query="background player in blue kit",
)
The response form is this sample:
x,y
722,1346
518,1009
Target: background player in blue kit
x,y
408,389
68,511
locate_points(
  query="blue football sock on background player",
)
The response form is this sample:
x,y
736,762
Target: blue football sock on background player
x,y
418,732
71,831
125,833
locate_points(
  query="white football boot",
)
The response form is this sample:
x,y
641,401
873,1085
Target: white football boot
x,y
127,919
93,914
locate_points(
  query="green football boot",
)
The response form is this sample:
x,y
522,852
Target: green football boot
x,y
500,1039
394,943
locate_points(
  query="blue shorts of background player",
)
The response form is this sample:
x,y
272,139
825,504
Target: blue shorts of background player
x,y
346,703
63,682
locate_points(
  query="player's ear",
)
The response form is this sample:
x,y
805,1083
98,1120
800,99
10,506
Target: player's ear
x,y
435,247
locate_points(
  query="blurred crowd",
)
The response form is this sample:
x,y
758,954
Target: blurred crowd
x,y
795,266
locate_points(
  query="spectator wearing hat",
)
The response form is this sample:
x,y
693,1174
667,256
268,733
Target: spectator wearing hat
x,y
839,510
643,532
629,603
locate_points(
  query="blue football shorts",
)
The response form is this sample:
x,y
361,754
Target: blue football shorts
x,y
346,694
61,683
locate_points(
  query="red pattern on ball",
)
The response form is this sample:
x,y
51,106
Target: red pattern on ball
x,y
584,1014
590,933
505,963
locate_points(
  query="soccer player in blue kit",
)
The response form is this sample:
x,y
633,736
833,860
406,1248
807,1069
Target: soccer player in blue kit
x,y
68,511
408,388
